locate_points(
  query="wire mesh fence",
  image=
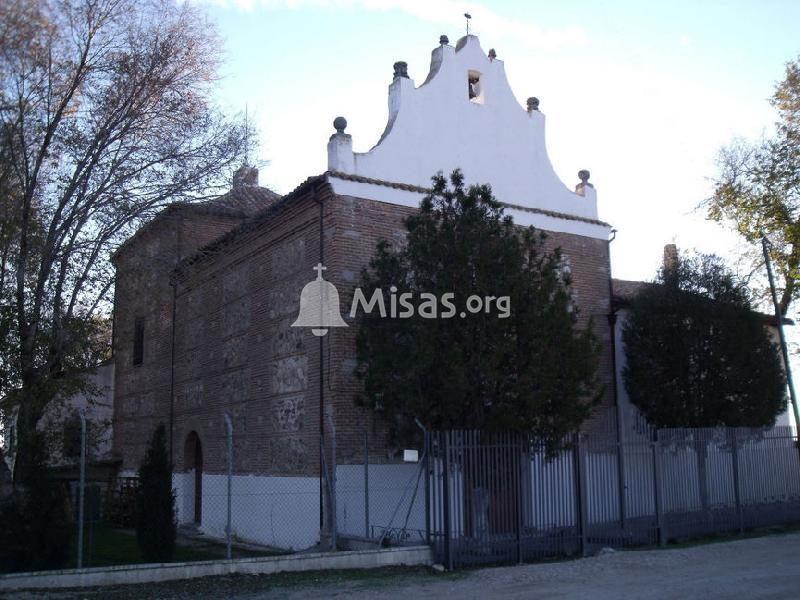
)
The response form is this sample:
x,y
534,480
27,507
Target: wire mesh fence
x,y
475,497
380,498
221,499
222,510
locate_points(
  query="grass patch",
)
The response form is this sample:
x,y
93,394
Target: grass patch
x,y
223,586
370,578
105,546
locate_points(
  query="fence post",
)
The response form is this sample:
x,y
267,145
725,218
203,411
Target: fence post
x,y
366,483
621,479
448,557
520,480
90,542
735,466
579,469
229,426
426,465
81,487
657,496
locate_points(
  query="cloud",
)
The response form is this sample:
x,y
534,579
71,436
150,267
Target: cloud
x,y
443,12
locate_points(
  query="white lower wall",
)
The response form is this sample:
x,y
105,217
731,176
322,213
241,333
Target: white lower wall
x,y
391,499
183,485
282,512
552,486
396,500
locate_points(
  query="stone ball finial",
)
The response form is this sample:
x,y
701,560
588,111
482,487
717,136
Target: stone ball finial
x,y
339,124
583,175
533,104
444,40
400,69
492,54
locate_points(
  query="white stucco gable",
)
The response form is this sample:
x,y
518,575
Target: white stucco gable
x,y
438,126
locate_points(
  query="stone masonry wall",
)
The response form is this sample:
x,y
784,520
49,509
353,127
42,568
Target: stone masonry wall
x,y
143,290
236,351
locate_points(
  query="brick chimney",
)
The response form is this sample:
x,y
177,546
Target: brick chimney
x,y
670,259
245,176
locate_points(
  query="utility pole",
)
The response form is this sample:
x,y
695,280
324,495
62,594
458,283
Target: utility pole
x,y
781,336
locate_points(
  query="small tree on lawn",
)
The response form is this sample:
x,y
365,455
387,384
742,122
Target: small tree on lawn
x,y
530,368
698,356
155,514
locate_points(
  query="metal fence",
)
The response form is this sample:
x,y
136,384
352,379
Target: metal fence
x,y
224,512
246,503
379,499
475,497
500,498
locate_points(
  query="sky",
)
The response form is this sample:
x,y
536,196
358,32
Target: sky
x,y
643,94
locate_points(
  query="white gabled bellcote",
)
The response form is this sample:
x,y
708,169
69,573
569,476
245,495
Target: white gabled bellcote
x,y
464,115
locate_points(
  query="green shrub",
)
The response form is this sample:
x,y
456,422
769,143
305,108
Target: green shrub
x,y
35,525
155,507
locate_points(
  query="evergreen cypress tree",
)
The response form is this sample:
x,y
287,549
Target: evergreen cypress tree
x,y
531,369
697,354
156,526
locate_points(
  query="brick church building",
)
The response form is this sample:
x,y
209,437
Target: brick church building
x,y
206,293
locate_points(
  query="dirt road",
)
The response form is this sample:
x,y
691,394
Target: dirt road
x,y
766,567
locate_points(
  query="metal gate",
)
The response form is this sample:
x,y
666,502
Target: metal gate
x,y
482,490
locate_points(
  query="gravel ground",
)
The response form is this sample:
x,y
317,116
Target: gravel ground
x,y
765,567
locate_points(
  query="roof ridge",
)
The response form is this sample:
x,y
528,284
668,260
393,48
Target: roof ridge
x,y
424,190
250,223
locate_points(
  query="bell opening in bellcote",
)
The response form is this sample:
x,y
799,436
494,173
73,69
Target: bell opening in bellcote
x,y
475,87
319,306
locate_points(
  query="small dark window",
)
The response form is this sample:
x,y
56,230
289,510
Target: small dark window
x,y
71,447
138,341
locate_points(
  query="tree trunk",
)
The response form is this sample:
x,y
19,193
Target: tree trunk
x,y
24,428
30,409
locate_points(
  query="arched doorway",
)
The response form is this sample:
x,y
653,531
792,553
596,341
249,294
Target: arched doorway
x,y
193,459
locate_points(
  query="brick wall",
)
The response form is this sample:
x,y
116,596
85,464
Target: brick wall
x,y
143,291
588,261
359,225
237,352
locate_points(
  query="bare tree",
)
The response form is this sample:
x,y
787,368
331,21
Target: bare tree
x,y
105,117
757,189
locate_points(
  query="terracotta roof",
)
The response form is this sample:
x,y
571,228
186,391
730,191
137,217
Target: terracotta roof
x,y
423,190
241,202
251,223
249,199
625,290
